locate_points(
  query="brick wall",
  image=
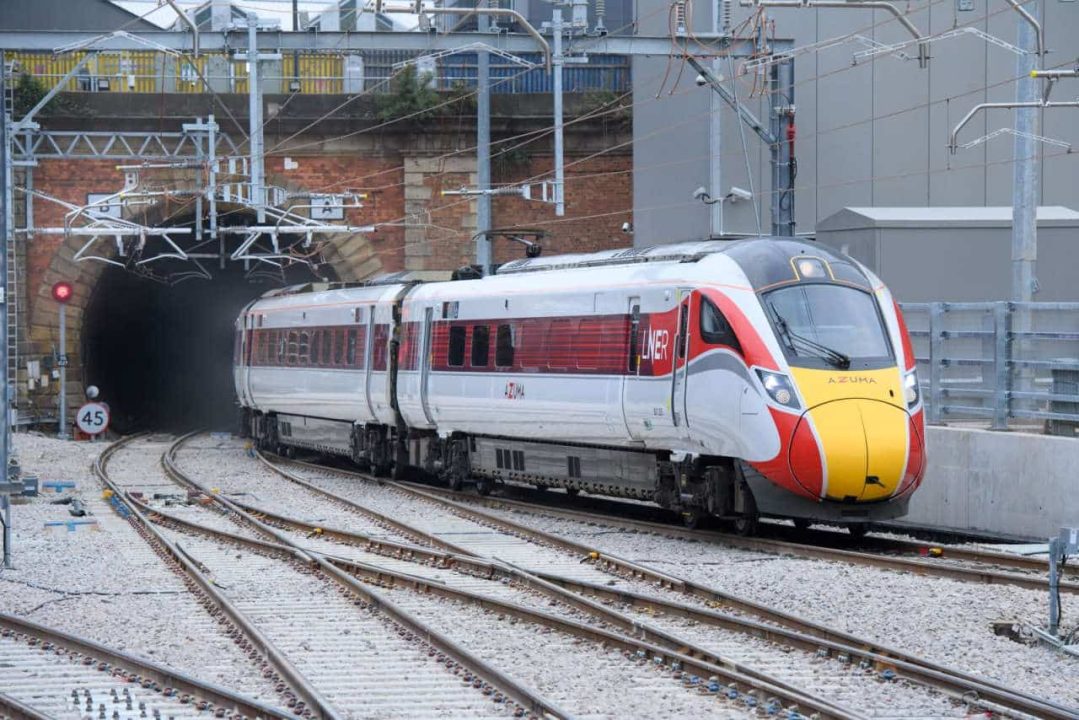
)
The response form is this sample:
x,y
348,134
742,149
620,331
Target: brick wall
x,y
599,199
381,178
70,181
439,236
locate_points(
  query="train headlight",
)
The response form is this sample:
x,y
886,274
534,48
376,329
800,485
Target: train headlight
x,y
779,388
910,388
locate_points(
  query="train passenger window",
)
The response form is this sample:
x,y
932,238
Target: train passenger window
x,y
457,346
327,346
380,351
481,345
714,327
316,347
504,346
338,347
293,347
560,344
589,343
303,352
282,341
350,356
634,338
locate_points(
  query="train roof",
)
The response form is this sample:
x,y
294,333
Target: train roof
x,y
766,261
676,252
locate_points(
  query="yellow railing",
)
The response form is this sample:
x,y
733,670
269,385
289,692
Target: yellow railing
x,y
104,71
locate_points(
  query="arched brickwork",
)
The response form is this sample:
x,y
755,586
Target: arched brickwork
x,y
352,258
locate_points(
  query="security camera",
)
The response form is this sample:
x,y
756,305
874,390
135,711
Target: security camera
x,y
700,193
627,227
701,81
738,193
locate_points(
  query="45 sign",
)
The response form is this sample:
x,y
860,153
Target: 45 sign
x,y
93,418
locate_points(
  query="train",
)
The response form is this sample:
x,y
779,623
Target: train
x,y
735,379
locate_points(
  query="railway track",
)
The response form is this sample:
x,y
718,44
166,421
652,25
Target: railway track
x,y
965,564
47,673
778,629
633,656
350,652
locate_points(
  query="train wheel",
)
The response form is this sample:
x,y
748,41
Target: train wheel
x,y
692,518
484,486
457,468
573,492
858,530
747,522
746,525
801,524
541,488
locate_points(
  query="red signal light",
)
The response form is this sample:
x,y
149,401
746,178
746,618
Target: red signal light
x,y
62,291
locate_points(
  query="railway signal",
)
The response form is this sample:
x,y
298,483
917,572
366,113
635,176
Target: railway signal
x,y
62,292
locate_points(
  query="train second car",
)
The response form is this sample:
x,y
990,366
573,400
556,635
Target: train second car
x,y
763,377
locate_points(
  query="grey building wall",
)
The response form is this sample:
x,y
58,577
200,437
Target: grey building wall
x,y
68,15
868,134
955,254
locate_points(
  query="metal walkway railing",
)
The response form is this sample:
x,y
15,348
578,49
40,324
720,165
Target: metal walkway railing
x,y
1006,362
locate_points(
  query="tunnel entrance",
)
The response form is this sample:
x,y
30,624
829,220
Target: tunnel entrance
x,y
161,354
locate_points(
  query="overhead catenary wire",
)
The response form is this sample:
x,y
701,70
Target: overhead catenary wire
x,y
539,133
805,80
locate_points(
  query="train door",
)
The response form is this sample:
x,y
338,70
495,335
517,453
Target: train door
x,y
633,361
680,367
425,361
368,359
246,355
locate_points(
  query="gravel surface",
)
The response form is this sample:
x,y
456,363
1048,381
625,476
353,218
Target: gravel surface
x,y
352,655
943,620
103,581
839,683
222,463
581,677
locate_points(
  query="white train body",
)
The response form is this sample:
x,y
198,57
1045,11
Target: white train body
x,y
648,374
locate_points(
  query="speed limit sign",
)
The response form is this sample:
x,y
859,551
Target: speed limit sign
x,y
93,418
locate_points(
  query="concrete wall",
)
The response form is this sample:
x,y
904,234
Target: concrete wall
x,y
874,133
1011,484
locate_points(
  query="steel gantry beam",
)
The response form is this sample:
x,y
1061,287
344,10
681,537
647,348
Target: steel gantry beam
x,y
64,144
701,45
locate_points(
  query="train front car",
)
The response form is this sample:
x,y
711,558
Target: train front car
x,y
836,364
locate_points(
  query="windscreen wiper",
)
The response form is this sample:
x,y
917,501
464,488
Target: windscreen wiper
x,y
828,354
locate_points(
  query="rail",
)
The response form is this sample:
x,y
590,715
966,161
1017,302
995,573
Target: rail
x,y
968,686
319,73
126,667
1009,364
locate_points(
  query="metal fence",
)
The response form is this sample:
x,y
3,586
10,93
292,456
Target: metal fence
x,y
319,73
1012,364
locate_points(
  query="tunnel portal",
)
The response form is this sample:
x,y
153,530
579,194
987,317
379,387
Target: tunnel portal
x,y
161,354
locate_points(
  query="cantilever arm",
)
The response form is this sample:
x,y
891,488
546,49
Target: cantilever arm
x,y
923,53
1033,23
952,138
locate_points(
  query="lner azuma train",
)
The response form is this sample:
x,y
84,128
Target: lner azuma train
x,y
762,377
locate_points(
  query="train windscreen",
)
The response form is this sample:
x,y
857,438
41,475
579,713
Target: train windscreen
x,y
823,325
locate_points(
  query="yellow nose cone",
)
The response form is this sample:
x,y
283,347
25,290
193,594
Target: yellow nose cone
x,y
861,427
864,448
